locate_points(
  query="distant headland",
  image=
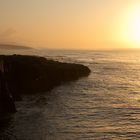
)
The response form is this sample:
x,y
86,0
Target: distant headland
x,y
13,47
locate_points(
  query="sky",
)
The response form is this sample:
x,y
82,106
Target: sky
x,y
71,24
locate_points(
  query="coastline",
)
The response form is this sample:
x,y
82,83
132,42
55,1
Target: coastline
x,y
35,75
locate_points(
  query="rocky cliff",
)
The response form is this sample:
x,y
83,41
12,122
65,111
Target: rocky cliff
x,y
32,75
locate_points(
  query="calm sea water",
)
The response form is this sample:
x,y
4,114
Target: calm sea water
x,y
103,106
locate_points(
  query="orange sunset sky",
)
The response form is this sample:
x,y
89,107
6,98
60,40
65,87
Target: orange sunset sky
x,y
71,24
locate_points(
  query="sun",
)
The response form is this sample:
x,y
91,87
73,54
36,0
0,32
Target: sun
x,y
130,28
134,26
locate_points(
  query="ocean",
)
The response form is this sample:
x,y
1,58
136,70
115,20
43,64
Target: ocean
x,y
103,106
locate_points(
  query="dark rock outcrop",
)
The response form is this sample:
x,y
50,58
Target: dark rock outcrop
x,y
6,101
32,74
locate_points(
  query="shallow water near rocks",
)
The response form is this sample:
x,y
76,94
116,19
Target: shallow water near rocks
x,y
104,105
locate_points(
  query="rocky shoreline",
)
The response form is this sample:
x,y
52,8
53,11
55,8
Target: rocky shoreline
x,y
22,74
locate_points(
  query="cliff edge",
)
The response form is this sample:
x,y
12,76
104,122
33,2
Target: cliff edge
x,y
33,74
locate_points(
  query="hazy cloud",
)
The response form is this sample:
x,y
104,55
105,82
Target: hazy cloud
x,y
7,33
